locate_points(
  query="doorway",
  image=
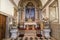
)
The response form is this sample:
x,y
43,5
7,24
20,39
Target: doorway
x,y
2,26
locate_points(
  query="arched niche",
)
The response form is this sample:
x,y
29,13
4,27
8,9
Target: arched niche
x,y
23,3
36,5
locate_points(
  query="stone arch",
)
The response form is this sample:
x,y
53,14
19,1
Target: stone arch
x,y
30,4
23,3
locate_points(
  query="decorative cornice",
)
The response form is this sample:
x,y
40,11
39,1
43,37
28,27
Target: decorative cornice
x,y
5,14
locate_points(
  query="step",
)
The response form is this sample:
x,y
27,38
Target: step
x,y
29,39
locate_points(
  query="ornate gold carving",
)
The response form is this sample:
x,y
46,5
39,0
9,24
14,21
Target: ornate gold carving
x,y
30,20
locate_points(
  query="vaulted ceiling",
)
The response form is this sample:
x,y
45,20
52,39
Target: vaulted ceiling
x,y
16,3
35,2
42,1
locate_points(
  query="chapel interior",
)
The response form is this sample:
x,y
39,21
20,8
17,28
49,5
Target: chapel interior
x,y
29,19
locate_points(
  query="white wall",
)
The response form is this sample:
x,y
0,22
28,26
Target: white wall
x,y
6,7
0,4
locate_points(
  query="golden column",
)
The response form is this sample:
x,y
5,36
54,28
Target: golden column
x,y
42,26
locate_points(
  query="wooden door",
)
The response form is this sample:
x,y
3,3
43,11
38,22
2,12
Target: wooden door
x,y
2,26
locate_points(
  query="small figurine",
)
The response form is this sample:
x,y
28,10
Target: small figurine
x,y
46,29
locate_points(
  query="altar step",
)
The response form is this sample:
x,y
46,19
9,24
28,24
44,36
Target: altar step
x,y
30,34
28,39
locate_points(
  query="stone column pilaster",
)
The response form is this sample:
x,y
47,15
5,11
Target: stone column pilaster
x,y
19,13
40,14
36,14
47,11
7,28
59,10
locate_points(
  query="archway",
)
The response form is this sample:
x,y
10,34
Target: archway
x,y
35,8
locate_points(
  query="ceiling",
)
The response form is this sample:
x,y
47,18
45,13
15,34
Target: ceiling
x,y
25,2
42,1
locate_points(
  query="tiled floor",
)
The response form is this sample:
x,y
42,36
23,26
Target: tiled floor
x,y
33,39
38,39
